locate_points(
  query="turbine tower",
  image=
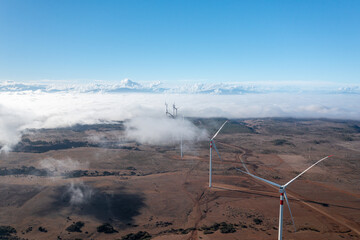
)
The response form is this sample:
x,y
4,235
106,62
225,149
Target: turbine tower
x,y
282,190
212,144
181,139
173,116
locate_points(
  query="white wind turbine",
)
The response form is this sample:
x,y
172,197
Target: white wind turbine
x,y
212,143
181,138
282,190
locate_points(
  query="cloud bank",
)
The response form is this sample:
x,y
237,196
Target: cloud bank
x,y
25,109
226,88
163,130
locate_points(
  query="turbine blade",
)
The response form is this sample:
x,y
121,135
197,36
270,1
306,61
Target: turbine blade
x,y
287,202
259,178
219,130
306,170
217,150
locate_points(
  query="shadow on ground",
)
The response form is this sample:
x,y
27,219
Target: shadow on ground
x,y
81,199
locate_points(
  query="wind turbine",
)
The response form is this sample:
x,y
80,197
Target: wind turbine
x,y
282,190
212,143
181,139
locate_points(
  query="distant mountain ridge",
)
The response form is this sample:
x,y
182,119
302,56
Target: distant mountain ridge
x,y
129,86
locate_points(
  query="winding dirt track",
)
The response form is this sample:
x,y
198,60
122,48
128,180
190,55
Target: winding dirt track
x,y
196,214
333,217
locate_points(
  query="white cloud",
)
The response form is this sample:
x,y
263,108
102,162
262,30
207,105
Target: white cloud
x,y
78,193
20,110
162,130
57,167
12,122
226,88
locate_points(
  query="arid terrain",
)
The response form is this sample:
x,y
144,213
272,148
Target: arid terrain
x,y
90,182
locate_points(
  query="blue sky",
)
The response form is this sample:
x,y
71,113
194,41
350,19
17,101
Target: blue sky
x,y
187,41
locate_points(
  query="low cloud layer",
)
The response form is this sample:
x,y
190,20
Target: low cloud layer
x,y
11,125
162,130
57,167
144,112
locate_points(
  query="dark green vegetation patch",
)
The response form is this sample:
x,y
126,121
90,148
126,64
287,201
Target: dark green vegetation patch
x,y
282,142
24,170
137,236
106,228
178,231
223,227
6,230
42,229
257,221
75,227
308,229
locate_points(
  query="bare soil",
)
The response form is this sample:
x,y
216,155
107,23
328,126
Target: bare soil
x,y
141,190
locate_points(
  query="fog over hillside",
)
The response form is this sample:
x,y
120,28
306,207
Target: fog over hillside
x,y
26,106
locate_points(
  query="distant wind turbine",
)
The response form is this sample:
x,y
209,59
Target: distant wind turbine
x,y
282,192
212,144
181,138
